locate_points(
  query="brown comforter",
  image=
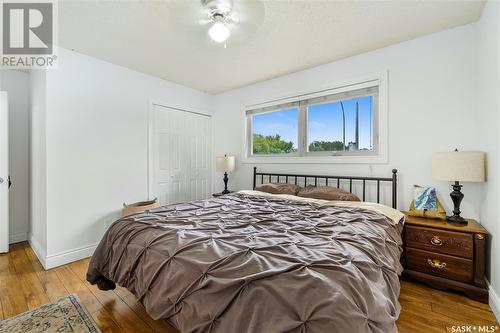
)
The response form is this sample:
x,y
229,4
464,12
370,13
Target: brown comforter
x,y
245,263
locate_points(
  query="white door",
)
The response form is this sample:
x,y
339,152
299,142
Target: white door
x,y
199,171
180,155
4,173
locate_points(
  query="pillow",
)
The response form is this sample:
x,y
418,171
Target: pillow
x,y
327,193
279,188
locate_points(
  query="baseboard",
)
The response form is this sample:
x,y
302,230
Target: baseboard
x,y
61,258
18,237
66,257
494,301
37,248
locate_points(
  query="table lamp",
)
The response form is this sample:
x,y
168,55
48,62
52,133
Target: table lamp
x,y
225,164
458,166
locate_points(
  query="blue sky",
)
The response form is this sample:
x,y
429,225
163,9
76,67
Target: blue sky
x,y
325,122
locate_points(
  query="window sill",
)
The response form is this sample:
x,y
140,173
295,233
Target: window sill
x,y
377,159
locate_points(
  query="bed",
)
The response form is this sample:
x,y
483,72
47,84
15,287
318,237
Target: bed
x,y
256,262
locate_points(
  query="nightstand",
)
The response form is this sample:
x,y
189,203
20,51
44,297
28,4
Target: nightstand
x,y
215,195
446,256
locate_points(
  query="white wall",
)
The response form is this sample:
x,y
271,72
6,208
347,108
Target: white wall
x,y
16,84
38,164
96,147
489,108
432,107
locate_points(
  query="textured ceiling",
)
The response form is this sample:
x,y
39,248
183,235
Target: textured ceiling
x,y
166,38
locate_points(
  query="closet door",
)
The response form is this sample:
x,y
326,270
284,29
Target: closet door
x,y
198,175
180,155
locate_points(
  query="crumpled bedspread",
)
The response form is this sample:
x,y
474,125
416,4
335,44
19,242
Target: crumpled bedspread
x,y
249,263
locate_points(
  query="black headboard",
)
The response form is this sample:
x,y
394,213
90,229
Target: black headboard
x,y
329,181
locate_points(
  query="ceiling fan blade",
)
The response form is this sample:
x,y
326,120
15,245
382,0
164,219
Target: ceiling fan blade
x,y
204,21
246,18
248,10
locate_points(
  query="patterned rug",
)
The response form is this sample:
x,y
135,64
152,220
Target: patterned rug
x,y
64,315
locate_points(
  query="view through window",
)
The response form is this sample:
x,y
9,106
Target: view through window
x,y
275,132
340,126
330,124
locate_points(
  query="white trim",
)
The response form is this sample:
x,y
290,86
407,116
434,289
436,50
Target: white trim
x,y
214,158
382,156
60,258
151,123
36,247
153,102
337,85
346,159
18,237
494,301
4,172
66,257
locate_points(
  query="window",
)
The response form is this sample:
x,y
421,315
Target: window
x,y
275,132
345,125
329,123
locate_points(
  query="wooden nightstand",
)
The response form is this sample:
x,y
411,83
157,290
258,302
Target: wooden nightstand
x,y
215,195
446,256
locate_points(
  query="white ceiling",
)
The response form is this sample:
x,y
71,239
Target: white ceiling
x,y
273,38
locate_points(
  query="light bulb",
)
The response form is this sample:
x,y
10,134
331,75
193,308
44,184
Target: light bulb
x,y
219,32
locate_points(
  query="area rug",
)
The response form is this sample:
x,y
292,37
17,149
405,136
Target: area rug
x,y
64,315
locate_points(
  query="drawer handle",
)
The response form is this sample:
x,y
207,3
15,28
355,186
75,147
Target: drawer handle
x,y
435,240
436,263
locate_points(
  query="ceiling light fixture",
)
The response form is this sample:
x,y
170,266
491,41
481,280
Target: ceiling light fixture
x,y
219,32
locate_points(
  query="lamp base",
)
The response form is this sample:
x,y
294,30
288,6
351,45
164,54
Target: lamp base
x,y
456,197
457,219
226,191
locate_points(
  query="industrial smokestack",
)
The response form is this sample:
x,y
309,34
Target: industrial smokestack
x,y
356,133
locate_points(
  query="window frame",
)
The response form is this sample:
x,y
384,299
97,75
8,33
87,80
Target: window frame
x,y
377,155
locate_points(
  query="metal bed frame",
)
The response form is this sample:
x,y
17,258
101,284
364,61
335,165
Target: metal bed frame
x,y
327,178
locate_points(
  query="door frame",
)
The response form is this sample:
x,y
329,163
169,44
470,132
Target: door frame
x,y
151,126
4,172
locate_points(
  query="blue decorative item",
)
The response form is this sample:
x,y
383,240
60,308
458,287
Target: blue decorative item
x,y
425,198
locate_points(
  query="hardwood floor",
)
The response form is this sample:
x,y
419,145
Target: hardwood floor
x,y
24,285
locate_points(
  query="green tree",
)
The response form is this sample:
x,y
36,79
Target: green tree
x,y
326,146
271,144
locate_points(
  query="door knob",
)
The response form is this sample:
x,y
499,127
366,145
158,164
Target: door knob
x,y
1,180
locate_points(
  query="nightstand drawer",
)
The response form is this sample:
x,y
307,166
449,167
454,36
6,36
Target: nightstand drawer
x,y
437,264
447,242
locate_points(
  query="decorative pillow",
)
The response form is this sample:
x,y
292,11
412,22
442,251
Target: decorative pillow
x,y
279,188
327,193
426,204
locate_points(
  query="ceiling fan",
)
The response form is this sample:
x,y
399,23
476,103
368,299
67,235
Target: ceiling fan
x,y
220,16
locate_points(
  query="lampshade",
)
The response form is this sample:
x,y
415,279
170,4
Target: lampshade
x,y
463,166
225,163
